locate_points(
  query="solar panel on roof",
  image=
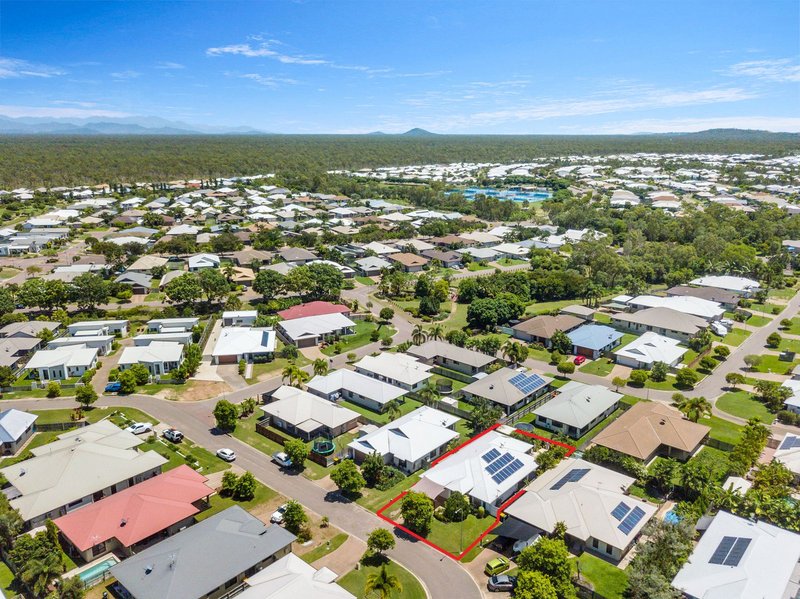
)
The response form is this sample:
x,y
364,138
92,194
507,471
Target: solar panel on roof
x,y
526,382
736,554
621,511
510,469
790,442
572,476
722,550
631,520
499,463
490,455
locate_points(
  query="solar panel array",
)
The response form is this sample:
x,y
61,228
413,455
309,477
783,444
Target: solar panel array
x,y
490,455
631,520
513,467
527,383
572,476
503,460
790,442
501,466
621,511
730,551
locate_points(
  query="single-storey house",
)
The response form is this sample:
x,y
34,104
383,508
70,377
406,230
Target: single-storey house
x,y
508,389
317,308
28,328
16,427
292,578
98,327
102,343
172,325
540,329
243,343
788,453
202,261
131,520
664,321
371,266
409,262
307,416
239,318
209,560
741,285
62,363
727,299
447,258
139,282
15,350
297,256
702,308
594,340
584,312
147,263
355,387
577,408
411,441
651,347
160,357
400,370
451,356
312,330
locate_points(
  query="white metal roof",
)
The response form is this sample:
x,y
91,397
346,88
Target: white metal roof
x,y
355,382
244,340
399,367
652,347
578,404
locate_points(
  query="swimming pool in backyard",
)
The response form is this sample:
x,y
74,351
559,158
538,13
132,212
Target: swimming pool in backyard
x,y
671,517
96,572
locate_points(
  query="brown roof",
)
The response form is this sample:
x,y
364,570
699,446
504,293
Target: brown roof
x,y
641,430
707,293
545,325
452,240
441,255
407,259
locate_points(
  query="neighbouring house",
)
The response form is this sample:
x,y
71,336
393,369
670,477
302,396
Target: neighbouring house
x,y
147,263
410,442
788,453
649,429
15,350
739,558
160,357
355,387
172,325
594,340
447,355
297,256
489,470
577,408
399,370
82,466
695,306
209,560
313,330
135,518
447,258
139,282
16,427
292,578
651,347
740,285
308,416
98,327
29,328
409,262
317,308
540,329
508,389
583,312
62,363
102,343
243,343
727,299
590,500
664,321
202,261
239,318
372,266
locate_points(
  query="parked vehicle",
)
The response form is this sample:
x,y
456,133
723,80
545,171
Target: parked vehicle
x,y
139,428
579,360
501,583
525,543
496,566
226,454
277,515
282,459
113,387
173,435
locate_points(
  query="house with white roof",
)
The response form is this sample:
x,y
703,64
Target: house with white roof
x,y
239,318
172,325
102,343
292,578
307,416
400,370
512,250
16,427
576,408
312,330
590,500
244,343
694,306
201,261
98,327
788,453
63,362
741,285
489,470
160,357
371,266
649,348
737,558
183,230
411,441
355,387
380,249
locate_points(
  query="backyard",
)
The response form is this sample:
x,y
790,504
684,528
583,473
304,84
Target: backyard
x,y
607,580
361,337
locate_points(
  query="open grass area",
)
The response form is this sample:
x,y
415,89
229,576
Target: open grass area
x,y
758,321
118,415
192,454
602,318
324,549
476,266
599,367
771,363
448,535
546,307
742,404
218,503
792,345
786,293
590,434
407,406
355,580
6,580
735,337
7,272
458,318
510,261
361,337
723,430
608,580
374,499
364,280
265,369
765,307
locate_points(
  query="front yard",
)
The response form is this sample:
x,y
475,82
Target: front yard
x,y
355,580
607,580
361,337
599,367
742,404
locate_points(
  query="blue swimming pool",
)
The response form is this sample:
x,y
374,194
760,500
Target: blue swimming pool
x,y
95,573
671,517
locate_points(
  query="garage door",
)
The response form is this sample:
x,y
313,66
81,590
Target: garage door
x,y
226,359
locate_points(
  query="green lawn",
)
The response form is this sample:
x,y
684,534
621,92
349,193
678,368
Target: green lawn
x,y
154,297
600,367
438,377
458,319
6,580
275,367
786,293
8,272
591,434
795,328
602,318
407,406
766,308
324,549
373,499
735,337
607,580
448,536
792,345
206,461
246,432
771,363
360,338
758,321
510,261
723,430
355,580
364,280
742,404
217,503
476,266
542,355
546,307
118,415
38,440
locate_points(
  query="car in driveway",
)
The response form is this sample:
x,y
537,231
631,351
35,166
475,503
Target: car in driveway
x,y
496,566
173,434
277,515
113,387
501,582
282,459
226,454
525,543
139,428
579,360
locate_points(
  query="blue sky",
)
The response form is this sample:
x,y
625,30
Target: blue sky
x,y
451,67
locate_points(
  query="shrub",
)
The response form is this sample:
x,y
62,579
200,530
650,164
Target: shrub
x,y
566,367
638,377
53,389
774,340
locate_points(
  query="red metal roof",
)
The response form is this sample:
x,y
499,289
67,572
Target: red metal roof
x,y
312,309
137,512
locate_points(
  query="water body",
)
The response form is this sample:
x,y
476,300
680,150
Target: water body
x,y
514,194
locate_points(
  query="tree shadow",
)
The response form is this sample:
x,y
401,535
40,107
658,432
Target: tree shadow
x,y
376,560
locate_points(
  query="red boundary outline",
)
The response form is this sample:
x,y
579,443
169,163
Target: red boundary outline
x,y
380,513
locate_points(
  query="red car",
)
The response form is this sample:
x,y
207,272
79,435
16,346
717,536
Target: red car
x,y
579,360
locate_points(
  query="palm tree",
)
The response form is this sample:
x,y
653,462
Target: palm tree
x,y
418,335
301,377
228,270
382,583
39,573
70,588
290,374
392,409
514,352
694,408
320,367
429,395
436,332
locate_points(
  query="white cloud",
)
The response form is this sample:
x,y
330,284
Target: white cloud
x,y
264,50
74,103
125,74
267,81
782,70
48,111
766,123
170,66
14,67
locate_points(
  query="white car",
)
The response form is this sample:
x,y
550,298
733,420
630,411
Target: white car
x,y
226,454
282,459
277,515
525,543
139,428
173,435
